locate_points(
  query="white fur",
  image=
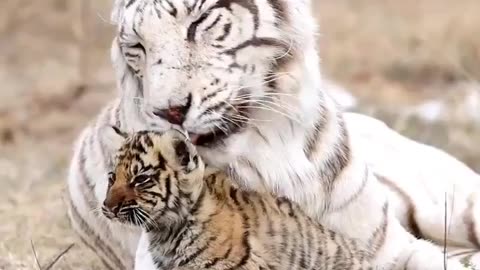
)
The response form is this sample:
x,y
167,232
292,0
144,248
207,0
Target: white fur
x,y
143,257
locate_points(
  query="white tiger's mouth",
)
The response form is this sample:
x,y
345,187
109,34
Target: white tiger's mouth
x,y
222,130
208,139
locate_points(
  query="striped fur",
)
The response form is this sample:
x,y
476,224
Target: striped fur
x,y
198,220
245,75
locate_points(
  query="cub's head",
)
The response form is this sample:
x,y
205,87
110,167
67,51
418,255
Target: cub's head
x,y
208,65
156,176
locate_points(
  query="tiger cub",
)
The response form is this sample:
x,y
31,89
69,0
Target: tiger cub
x,y
194,218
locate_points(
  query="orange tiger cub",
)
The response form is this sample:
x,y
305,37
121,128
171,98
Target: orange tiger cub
x,y
194,218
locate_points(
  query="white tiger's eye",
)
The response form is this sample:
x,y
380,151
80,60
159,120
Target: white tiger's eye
x,y
136,46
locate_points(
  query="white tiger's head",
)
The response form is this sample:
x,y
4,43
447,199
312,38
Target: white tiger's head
x,y
207,65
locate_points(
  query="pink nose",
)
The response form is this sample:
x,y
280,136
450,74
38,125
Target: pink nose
x,y
175,114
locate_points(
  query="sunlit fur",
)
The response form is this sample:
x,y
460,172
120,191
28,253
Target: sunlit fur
x,y
198,220
274,127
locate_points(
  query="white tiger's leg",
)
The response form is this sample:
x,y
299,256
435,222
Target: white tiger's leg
x,y
92,240
469,257
423,255
113,243
393,245
83,210
427,219
419,178
411,253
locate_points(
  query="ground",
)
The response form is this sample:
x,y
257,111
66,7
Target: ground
x,y
55,76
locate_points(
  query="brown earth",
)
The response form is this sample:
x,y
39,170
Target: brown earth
x,y
55,75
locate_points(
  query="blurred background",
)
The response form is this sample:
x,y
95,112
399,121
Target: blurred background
x,y
412,63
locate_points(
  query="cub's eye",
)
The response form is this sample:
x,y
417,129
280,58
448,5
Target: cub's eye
x,y
141,179
111,179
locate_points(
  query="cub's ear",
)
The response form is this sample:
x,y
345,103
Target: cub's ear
x,y
184,152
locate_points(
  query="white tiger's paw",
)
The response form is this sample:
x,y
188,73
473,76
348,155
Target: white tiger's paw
x,y
143,257
423,255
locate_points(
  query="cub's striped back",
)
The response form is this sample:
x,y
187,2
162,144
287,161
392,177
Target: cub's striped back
x,y
198,220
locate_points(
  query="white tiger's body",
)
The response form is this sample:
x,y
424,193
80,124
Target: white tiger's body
x,y
297,133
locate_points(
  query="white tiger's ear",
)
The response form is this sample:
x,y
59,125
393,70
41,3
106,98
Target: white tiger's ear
x,y
117,11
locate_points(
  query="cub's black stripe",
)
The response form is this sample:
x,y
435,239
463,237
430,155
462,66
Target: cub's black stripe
x,y
198,252
245,243
224,257
146,185
168,190
153,193
307,262
233,195
285,242
148,201
178,240
161,162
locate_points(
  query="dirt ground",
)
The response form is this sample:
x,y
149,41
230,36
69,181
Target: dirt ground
x,y
55,75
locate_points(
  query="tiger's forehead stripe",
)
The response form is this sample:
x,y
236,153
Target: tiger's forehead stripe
x,y
192,6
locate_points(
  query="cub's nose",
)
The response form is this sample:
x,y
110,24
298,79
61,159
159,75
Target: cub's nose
x,y
114,204
115,199
175,114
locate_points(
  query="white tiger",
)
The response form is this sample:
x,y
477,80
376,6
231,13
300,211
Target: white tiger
x,y
242,77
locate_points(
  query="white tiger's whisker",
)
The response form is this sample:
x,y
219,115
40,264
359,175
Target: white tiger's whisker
x,y
271,110
288,110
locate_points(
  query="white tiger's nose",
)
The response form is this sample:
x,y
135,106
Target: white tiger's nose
x,y
175,114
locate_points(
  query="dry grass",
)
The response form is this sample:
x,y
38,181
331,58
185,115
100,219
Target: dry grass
x,y
393,51
389,52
